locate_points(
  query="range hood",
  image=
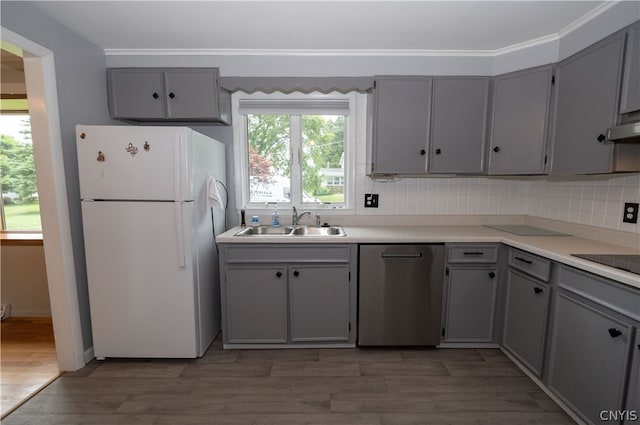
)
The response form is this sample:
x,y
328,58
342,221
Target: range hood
x,y
625,133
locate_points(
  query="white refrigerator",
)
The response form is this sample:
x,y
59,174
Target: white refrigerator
x,y
153,199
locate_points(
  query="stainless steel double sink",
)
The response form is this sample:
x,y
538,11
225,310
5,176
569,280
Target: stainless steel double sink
x,y
292,231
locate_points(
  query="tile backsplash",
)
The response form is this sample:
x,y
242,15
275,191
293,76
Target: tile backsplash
x,y
591,200
594,201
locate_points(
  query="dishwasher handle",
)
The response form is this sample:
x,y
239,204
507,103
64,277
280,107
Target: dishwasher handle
x,y
401,256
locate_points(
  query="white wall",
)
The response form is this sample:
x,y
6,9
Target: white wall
x,y
24,281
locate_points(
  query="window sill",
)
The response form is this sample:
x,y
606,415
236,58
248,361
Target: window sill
x,y
9,239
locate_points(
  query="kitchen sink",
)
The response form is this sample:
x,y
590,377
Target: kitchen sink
x,y
292,231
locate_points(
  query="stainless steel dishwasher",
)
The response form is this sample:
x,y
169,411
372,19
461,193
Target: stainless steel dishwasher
x,y
400,294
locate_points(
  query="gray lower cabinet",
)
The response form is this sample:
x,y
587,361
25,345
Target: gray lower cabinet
x,y
633,395
630,95
256,305
400,127
525,319
519,122
471,282
458,124
587,89
288,294
319,299
169,94
471,302
594,327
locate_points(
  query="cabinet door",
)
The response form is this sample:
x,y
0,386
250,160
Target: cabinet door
x,y
630,98
521,103
471,298
588,361
401,125
319,303
458,120
525,321
256,305
587,104
192,93
633,395
136,93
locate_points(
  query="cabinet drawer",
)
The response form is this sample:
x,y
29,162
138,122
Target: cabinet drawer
x,y
617,297
531,264
472,254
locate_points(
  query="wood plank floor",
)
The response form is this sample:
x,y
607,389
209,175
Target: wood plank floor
x,y
307,386
28,359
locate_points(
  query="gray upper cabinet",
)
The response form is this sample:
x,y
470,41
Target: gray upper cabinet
x,y
172,94
588,87
401,111
630,96
458,121
519,122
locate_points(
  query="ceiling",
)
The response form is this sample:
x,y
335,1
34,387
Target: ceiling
x,y
330,25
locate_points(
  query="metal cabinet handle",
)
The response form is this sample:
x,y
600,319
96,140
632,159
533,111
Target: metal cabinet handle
x,y
438,151
524,260
614,332
601,138
171,95
418,255
296,273
155,95
473,253
492,275
496,149
537,290
422,152
278,274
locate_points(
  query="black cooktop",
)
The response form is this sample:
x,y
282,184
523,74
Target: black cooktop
x,y
628,263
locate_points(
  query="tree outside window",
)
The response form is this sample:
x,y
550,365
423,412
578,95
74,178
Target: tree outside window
x,y
321,141
20,206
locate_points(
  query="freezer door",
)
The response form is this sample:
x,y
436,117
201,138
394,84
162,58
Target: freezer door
x,y
133,163
141,278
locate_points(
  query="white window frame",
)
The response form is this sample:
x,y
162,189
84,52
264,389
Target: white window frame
x,y
243,103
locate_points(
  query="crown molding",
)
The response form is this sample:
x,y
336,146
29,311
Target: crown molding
x,y
299,52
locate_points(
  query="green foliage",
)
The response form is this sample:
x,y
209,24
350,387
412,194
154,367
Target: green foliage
x,y
269,147
23,217
269,138
17,167
323,147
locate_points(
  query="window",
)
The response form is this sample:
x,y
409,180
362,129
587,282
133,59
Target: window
x,y
20,207
294,149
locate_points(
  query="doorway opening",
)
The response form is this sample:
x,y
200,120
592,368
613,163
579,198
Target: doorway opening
x,y
29,359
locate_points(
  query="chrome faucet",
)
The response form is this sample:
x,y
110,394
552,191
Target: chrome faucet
x,y
295,219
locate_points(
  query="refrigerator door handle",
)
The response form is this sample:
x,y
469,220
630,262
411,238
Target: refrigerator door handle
x,y
179,169
180,234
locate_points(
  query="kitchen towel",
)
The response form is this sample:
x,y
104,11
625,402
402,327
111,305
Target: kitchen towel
x,y
214,197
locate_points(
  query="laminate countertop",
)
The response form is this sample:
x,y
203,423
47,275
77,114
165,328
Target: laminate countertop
x,y
557,248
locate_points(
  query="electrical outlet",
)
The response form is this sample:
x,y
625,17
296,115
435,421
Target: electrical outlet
x,y
630,213
371,200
